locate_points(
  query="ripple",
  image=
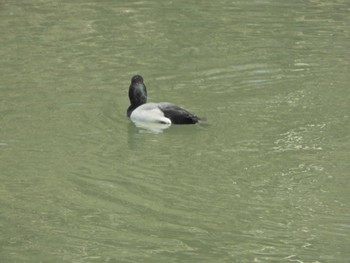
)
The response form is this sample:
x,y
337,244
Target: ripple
x,y
302,138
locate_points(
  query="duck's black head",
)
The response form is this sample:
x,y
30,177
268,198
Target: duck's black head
x,y
137,78
137,93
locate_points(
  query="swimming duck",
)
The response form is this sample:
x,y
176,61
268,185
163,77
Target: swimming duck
x,y
163,112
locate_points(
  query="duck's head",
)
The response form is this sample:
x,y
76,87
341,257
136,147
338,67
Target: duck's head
x,y
137,91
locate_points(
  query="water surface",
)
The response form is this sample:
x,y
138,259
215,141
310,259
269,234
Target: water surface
x,y
264,180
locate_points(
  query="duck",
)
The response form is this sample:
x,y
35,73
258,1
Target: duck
x,y
162,112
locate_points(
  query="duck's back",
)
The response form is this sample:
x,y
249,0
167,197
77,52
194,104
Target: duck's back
x,y
176,114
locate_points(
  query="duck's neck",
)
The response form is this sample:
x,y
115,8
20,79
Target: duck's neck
x,y
131,108
135,104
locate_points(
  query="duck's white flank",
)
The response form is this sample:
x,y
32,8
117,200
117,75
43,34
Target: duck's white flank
x,y
149,112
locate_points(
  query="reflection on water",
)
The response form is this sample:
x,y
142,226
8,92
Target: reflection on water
x,y
152,127
266,181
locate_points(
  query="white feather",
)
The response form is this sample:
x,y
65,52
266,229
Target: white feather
x,y
149,112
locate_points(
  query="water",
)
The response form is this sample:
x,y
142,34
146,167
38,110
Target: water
x,y
265,180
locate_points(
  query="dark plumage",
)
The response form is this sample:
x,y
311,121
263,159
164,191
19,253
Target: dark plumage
x,y
178,115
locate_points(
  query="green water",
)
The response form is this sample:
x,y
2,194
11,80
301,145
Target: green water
x,y
266,179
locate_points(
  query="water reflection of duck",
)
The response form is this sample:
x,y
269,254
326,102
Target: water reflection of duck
x,y
162,113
